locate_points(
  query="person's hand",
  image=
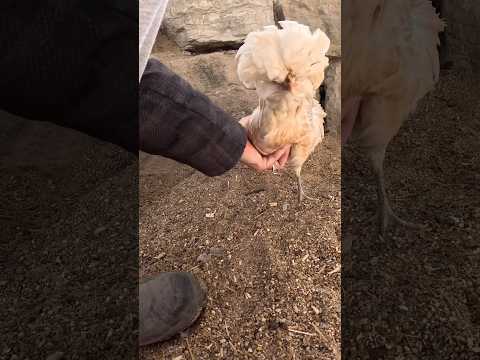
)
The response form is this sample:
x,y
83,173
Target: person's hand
x,y
254,159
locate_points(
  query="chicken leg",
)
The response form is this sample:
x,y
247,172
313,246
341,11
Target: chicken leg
x,y
385,214
301,192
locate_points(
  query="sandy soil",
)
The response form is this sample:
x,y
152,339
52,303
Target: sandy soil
x,y
269,265
68,249
416,295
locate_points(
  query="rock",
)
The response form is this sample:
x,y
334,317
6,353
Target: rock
x,y
203,258
273,325
318,14
56,356
333,99
217,252
160,256
462,32
99,230
214,75
206,25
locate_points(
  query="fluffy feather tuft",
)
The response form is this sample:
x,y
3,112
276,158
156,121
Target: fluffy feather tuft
x,y
279,55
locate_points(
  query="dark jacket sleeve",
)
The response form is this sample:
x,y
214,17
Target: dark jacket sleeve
x,y
73,63
180,123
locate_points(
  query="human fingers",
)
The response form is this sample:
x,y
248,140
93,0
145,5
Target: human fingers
x,y
283,159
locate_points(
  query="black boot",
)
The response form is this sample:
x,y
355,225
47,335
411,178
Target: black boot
x,y
169,304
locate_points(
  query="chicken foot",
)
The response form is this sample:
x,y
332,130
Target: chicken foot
x,y
385,213
301,192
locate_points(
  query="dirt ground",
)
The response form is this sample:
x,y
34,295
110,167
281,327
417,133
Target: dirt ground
x,y
416,295
271,267
68,249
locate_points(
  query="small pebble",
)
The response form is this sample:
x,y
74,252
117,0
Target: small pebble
x,y
99,230
216,251
203,257
56,356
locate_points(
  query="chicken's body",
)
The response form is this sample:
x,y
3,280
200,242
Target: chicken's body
x,y
390,61
285,66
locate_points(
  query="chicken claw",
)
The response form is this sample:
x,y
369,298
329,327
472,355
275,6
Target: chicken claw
x,y
386,217
301,192
274,170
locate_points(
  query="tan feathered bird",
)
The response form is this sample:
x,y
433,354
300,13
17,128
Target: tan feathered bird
x,y
389,62
285,66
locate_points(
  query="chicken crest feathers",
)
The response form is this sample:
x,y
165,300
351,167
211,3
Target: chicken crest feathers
x,y
271,55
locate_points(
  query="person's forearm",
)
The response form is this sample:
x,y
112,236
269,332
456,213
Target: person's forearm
x,y
180,123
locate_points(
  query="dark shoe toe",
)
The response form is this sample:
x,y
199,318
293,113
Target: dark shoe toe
x,y
168,304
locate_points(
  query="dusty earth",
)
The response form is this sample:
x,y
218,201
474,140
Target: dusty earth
x,y
68,249
416,295
271,267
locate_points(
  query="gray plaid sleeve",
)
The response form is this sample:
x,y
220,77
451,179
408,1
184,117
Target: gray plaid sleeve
x,y
180,123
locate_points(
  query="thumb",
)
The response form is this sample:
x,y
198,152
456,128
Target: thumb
x,y
285,156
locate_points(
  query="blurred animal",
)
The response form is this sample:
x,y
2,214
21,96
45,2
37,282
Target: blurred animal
x,y
285,66
389,62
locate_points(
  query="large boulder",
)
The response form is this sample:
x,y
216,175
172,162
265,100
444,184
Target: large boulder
x,y
207,25
213,74
333,95
318,14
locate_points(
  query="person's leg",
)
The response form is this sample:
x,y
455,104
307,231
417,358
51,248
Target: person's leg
x,y
168,305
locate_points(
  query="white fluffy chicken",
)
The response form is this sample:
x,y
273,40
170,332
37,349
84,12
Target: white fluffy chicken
x,y
285,66
390,61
